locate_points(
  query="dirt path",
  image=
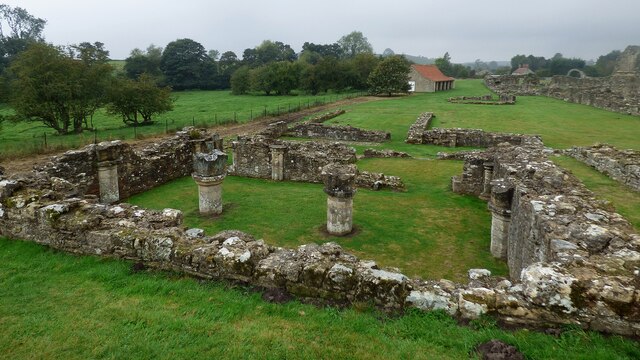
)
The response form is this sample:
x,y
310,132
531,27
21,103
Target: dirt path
x,y
26,164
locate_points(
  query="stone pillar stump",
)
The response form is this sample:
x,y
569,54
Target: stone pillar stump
x,y
209,170
500,207
339,184
486,184
277,162
108,156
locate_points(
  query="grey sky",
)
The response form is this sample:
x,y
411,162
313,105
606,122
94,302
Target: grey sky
x,y
468,30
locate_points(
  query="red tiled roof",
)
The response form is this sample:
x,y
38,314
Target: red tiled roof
x,y
431,72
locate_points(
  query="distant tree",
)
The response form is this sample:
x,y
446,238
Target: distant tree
x,y
355,43
227,65
51,87
391,76
137,101
93,79
309,80
18,29
444,64
184,63
333,50
559,65
279,77
20,23
268,52
360,67
140,62
241,81
213,54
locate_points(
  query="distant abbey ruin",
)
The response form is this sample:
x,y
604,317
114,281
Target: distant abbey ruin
x,y
619,92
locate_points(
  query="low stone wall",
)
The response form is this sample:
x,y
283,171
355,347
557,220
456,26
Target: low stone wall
x,y
570,253
469,137
423,123
324,117
337,133
483,100
621,165
386,153
138,170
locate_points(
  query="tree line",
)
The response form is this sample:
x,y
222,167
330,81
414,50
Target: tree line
x,y
560,65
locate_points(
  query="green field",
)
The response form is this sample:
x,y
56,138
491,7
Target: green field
x,y
59,306
202,108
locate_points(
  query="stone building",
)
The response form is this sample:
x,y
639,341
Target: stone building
x,y
428,78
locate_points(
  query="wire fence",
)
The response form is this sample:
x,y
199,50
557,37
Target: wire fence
x,y
47,142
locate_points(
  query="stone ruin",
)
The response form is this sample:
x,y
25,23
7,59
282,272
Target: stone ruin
x,y
619,92
621,165
264,157
419,133
571,259
337,133
503,99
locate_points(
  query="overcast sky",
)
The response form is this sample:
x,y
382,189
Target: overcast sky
x,y
467,29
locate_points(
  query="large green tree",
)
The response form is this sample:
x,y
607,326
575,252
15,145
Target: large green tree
x,y
137,101
144,61
186,65
355,43
390,77
50,86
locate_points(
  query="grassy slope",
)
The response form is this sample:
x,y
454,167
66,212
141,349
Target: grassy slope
x,y
56,305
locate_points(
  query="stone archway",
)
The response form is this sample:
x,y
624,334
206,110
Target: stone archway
x,y
581,74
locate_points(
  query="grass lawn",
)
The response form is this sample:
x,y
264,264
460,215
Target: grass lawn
x,y
561,124
59,306
202,108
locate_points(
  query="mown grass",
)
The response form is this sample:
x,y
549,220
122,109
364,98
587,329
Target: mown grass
x,y
200,108
59,306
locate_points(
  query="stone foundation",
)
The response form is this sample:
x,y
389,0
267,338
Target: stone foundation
x,y
470,138
337,133
422,124
621,165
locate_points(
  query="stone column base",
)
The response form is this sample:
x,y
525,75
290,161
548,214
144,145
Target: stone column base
x,y
339,215
209,194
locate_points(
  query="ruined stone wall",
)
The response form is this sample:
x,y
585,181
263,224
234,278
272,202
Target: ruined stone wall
x,y
483,100
621,165
514,84
469,137
570,252
139,170
423,123
337,133
619,93
302,160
